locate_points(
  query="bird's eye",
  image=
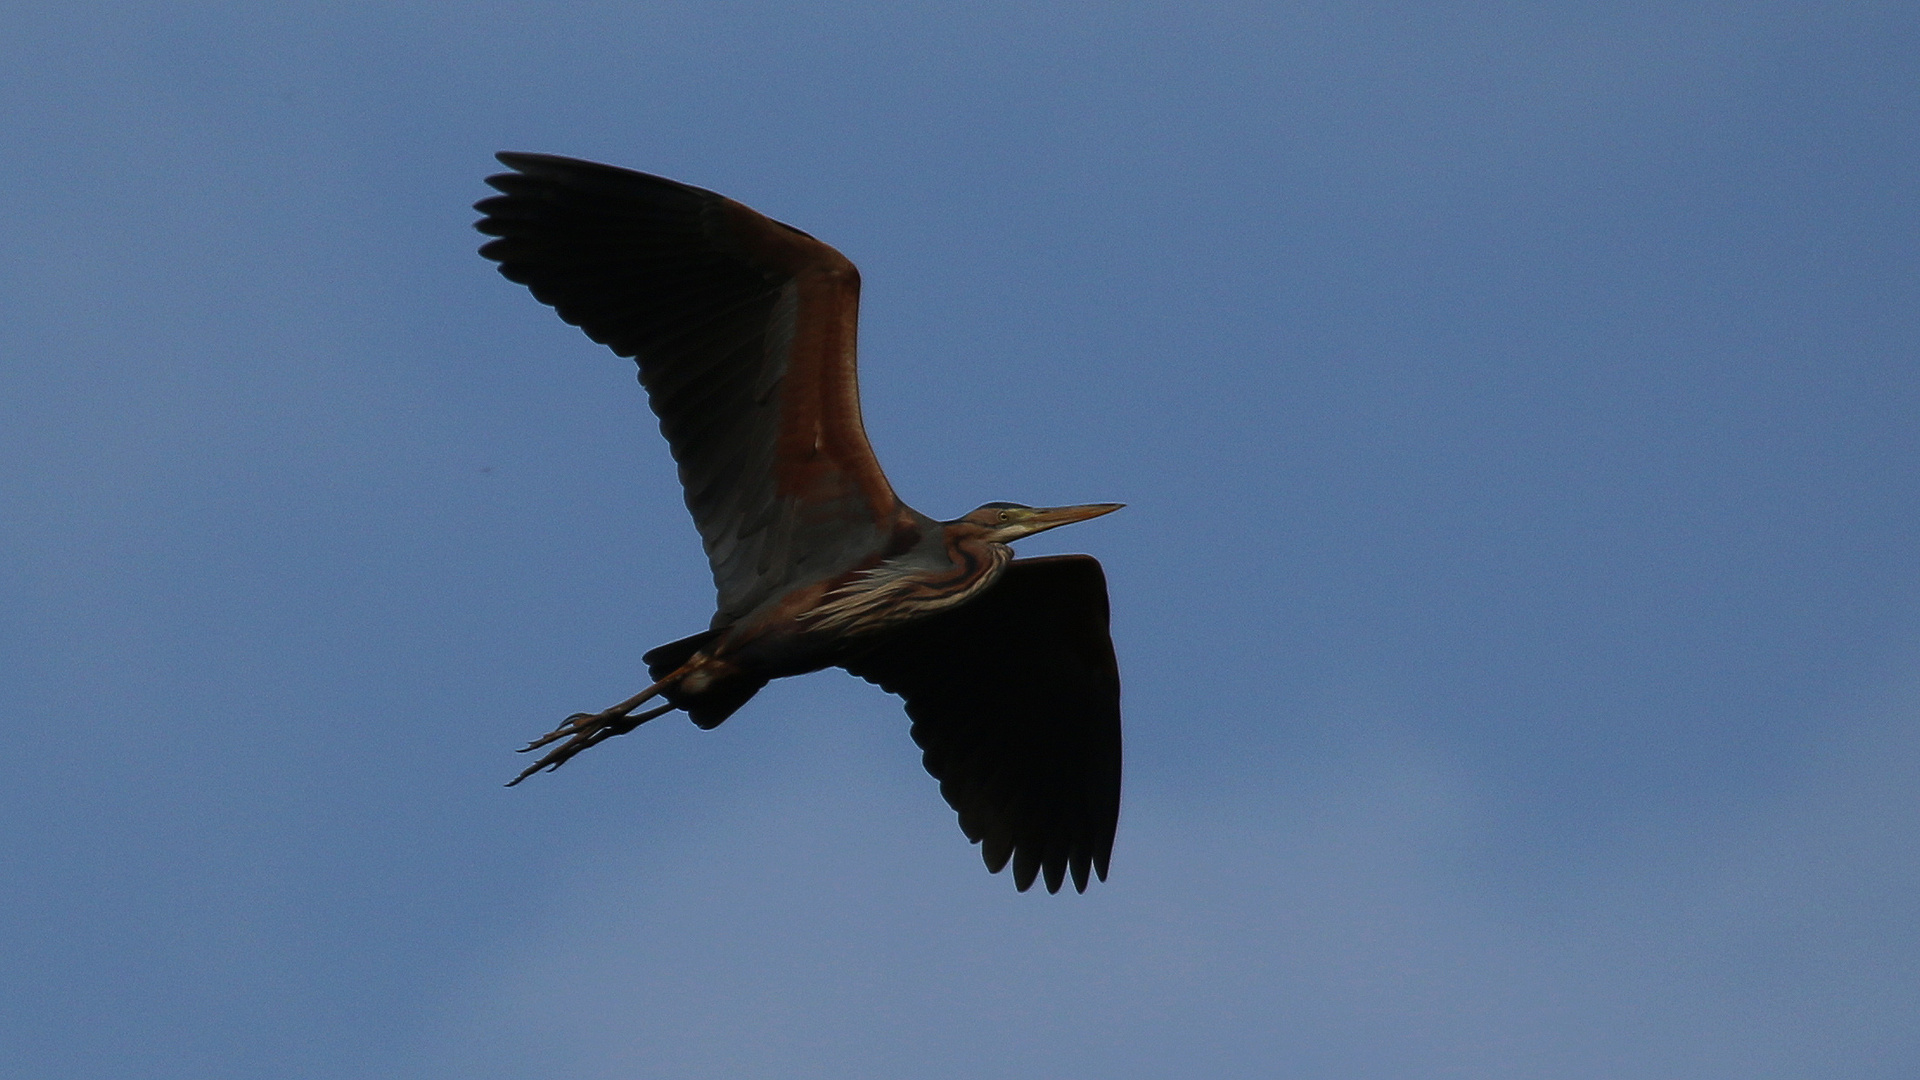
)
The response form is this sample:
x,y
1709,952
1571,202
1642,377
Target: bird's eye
x,y
1006,515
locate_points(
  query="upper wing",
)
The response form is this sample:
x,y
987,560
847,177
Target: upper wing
x,y
1015,699
744,331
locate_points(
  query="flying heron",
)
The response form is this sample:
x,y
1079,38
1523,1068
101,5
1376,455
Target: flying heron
x,y
743,328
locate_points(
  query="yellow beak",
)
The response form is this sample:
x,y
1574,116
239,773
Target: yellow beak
x,y
1042,518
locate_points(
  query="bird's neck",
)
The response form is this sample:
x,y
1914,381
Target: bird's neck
x,y
902,589
977,563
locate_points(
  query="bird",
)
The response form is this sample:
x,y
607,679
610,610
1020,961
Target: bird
x,y
743,328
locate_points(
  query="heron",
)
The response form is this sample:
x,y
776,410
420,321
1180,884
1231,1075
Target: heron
x,y
744,331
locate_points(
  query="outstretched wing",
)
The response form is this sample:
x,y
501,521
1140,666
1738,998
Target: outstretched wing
x,y
1015,699
744,331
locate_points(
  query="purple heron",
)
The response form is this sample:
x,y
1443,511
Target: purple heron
x,y
743,329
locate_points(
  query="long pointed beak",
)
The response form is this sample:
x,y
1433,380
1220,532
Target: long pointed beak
x,y
1052,517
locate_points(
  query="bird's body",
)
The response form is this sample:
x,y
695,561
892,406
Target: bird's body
x,y
744,329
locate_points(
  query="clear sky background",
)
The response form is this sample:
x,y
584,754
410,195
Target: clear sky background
x,y
1516,404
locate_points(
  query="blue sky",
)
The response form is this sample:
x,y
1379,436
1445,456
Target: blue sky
x,y
1515,406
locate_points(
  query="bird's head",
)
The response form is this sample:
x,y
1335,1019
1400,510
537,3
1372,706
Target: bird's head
x,y
1005,522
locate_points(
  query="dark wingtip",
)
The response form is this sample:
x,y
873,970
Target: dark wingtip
x,y
1026,866
1080,864
521,159
1055,868
995,853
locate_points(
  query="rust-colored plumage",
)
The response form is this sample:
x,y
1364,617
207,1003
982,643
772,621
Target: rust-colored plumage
x,y
744,330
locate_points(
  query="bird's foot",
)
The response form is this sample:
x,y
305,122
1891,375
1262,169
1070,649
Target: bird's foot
x,y
582,730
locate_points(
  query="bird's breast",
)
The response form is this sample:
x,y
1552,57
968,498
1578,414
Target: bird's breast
x,y
904,588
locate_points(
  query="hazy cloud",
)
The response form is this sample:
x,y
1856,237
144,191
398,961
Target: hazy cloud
x,y
1339,932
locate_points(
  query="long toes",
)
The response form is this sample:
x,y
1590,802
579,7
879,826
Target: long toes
x,y
573,725
558,755
554,759
582,730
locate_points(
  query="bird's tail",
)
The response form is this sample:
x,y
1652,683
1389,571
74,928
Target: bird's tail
x,y
669,658
715,693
